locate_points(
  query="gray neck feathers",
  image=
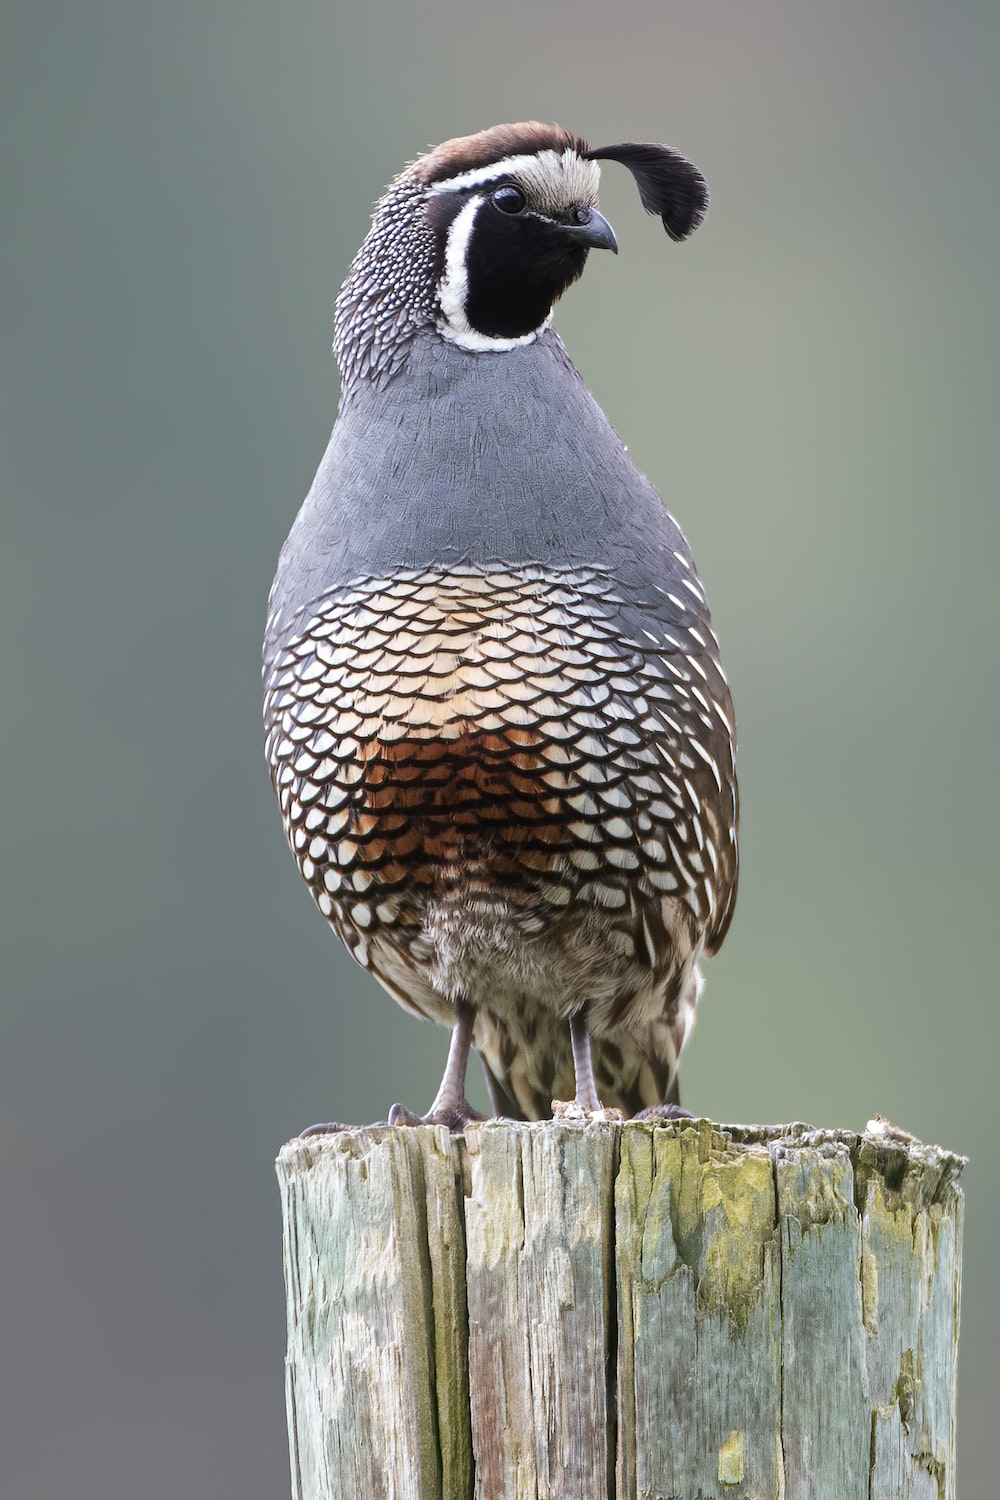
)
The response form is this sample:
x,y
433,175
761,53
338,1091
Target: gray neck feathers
x,y
390,291
473,458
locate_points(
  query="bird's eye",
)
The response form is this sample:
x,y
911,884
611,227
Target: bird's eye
x,y
508,199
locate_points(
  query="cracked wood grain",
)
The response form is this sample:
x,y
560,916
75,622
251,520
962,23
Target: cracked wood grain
x,y
578,1311
538,1264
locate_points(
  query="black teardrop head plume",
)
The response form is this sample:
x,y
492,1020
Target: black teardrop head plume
x,y
668,184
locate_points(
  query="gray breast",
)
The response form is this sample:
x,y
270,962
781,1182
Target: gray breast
x,y
479,458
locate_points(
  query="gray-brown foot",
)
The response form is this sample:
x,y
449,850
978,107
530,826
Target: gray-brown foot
x,y
664,1112
329,1128
455,1115
334,1127
450,1105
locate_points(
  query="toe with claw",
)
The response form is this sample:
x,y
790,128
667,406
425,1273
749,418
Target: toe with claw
x,y
664,1112
454,1116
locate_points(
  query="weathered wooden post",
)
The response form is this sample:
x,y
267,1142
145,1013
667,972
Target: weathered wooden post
x,y
578,1311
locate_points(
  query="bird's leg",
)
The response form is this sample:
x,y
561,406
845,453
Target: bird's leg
x,y
450,1105
583,1064
450,1101
587,1104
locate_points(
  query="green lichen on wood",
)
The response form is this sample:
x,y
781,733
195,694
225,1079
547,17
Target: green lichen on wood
x,y
441,1158
784,1304
733,1458
826,1416
698,1253
705,1206
911,1211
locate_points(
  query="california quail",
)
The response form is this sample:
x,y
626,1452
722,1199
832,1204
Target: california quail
x,y
496,720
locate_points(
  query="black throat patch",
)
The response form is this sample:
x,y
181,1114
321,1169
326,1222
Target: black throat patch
x,y
516,269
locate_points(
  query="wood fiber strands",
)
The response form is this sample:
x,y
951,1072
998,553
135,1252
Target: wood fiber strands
x,y
585,1310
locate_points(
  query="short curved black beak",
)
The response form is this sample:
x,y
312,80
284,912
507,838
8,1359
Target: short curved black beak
x,y
594,231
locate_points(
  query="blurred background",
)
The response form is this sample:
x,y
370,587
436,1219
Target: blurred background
x,y
811,383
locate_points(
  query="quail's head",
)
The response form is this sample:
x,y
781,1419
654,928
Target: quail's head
x,y
479,237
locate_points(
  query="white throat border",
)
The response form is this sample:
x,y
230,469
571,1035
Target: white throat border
x,y
453,288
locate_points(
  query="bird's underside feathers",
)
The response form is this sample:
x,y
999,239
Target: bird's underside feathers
x,y
495,794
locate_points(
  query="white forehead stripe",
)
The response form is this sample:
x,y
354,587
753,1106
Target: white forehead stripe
x,y
552,179
454,286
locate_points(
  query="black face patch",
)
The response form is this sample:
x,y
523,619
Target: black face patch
x,y
517,265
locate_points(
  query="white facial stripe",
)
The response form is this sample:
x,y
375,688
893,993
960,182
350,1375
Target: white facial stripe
x,y
454,286
510,166
553,180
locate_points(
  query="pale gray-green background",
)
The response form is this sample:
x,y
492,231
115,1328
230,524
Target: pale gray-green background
x,y
811,382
